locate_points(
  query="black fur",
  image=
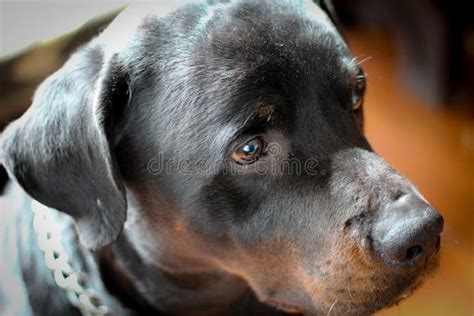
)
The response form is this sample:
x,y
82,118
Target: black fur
x,y
138,128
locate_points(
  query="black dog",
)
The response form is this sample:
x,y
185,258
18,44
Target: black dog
x,y
212,158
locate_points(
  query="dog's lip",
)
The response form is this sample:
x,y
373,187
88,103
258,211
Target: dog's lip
x,y
285,306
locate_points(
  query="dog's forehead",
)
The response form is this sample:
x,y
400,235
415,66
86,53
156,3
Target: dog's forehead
x,y
268,39
124,29
268,51
270,20
221,62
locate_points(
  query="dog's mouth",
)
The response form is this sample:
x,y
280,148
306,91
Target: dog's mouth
x,y
356,287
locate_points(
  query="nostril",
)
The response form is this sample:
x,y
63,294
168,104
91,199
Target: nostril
x,y
413,253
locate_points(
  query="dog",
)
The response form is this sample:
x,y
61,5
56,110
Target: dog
x,y
208,158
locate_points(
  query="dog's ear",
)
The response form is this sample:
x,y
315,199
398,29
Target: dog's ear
x,y
61,150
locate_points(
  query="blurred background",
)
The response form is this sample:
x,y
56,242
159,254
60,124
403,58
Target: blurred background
x,y
419,58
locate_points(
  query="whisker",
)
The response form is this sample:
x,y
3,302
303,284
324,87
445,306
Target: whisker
x,y
448,236
360,62
348,286
350,293
332,306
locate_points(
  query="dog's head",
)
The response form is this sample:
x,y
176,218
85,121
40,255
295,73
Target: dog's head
x,y
232,134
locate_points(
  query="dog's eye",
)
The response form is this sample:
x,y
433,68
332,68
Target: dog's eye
x,y
249,152
358,92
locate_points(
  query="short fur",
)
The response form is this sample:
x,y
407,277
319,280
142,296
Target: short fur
x,y
106,137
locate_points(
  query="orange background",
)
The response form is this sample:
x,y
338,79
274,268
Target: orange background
x,y
434,148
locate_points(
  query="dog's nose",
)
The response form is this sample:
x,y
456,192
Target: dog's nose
x,y
407,231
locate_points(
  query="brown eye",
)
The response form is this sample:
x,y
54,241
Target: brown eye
x,y
249,152
358,92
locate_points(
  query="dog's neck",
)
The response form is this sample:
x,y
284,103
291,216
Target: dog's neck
x,y
153,266
144,286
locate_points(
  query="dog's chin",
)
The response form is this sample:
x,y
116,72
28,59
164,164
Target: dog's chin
x,y
401,287
384,300
337,307
340,300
